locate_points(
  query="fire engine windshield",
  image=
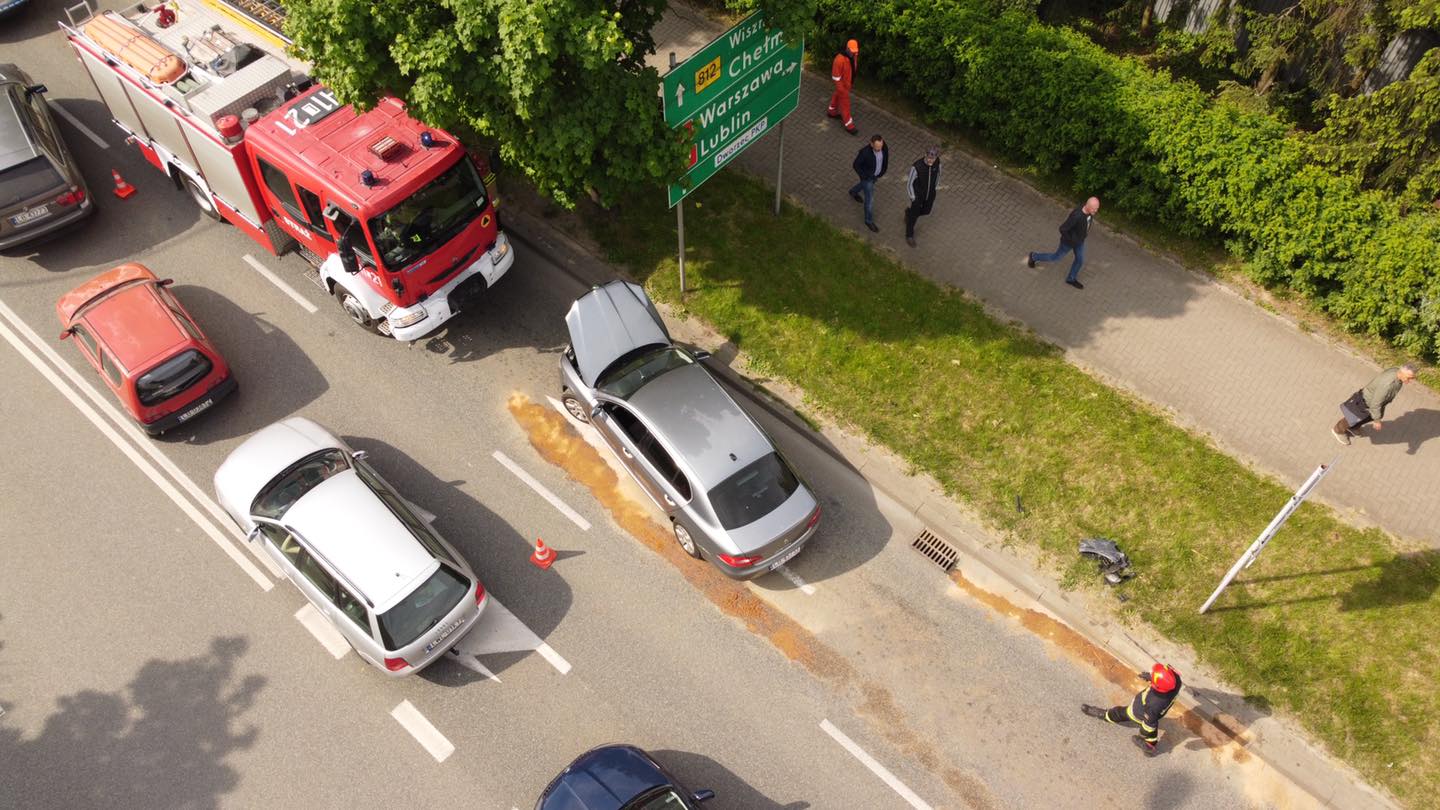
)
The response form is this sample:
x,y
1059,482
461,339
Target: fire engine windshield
x,y
430,217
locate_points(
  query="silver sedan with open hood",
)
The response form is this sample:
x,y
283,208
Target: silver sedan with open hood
x,y
732,497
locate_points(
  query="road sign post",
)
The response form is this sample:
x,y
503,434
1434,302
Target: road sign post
x,y
1253,553
680,218
730,93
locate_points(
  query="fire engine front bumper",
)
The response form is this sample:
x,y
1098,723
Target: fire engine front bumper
x,y
446,302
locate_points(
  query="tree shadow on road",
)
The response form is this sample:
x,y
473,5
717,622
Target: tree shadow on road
x,y
161,743
699,772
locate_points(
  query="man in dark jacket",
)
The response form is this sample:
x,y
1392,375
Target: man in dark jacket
x,y
920,185
1146,709
1368,404
870,164
1072,237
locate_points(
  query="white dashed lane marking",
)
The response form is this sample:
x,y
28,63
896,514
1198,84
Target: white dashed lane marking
x,y
423,731
805,587
280,283
552,498
323,631
500,632
875,767
75,122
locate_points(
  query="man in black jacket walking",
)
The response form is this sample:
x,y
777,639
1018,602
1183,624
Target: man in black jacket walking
x,y
1146,709
1072,237
920,185
870,164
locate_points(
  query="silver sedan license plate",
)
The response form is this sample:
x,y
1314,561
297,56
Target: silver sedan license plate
x,y
31,214
786,557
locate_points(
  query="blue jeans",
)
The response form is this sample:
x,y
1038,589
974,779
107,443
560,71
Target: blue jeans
x,y
866,187
1061,251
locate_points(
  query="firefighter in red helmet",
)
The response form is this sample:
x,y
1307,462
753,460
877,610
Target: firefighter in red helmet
x,y
1146,709
842,73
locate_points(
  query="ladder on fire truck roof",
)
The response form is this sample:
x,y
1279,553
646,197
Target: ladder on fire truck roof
x,y
226,71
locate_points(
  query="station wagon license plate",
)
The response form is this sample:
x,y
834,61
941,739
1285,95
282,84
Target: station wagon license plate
x,y
784,558
444,634
32,214
197,409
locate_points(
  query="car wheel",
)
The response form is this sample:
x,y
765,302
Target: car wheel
x,y
202,200
355,310
574,407
687,543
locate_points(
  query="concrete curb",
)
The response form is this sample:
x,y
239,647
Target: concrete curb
x,y
1280,745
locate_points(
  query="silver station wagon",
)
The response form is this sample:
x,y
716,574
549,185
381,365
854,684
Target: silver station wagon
x,y
731,496
400,594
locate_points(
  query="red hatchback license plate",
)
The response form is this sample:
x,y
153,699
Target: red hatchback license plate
x,y
197,409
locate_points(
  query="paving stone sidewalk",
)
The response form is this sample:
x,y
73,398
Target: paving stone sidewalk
x,y
1264,390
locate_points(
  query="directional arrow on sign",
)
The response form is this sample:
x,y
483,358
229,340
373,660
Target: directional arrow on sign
x,y
679,95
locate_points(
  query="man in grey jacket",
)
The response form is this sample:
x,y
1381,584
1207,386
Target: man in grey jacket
x,y
924,179
1368,404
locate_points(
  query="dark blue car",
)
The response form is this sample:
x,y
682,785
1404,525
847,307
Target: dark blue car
x,y
617,777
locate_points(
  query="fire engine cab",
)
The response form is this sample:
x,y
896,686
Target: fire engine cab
x,y
396,217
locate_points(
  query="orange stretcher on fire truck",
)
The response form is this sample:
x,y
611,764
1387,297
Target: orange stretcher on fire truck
x,y
395,216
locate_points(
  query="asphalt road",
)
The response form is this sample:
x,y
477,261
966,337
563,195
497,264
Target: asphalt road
x,y
149,658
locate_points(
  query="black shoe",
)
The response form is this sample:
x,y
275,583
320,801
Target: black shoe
x,y
832,114
1075,282
1150,749
852,130
855,195
1030,260
910,240
1092,711
873,227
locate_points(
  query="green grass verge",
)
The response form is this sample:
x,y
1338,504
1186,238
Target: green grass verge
x,y
1332,625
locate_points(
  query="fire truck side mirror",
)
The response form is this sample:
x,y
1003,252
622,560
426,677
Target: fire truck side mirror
x,y
331,212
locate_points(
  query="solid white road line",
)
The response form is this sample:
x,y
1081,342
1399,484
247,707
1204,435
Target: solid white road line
x,y
875,767
422,730
807,588
128,428
542,491
279,282
75,122
498,631
135,458
323,631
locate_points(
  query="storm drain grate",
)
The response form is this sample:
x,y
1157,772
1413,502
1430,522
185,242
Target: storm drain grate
x,y
940,552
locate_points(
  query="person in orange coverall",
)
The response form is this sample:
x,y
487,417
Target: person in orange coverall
x,y
842,72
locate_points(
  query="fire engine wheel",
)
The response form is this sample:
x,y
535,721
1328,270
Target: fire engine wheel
x,y
202,200
355,310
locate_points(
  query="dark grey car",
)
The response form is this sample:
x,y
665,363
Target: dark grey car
x,y
41,189
730,494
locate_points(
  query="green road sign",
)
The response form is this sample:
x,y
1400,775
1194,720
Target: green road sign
x,y
731,92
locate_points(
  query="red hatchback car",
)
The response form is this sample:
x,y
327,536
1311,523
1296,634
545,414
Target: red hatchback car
x,y
146,347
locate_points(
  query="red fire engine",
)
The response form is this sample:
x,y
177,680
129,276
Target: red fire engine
x,y
395,216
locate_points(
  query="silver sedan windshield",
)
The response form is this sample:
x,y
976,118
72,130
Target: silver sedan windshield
x,y
628,374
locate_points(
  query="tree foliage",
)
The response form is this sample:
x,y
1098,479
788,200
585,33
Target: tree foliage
x,y
561,85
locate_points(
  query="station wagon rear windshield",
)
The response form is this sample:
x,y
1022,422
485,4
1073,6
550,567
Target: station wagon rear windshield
x,y
28,179
172,377
754,492
628,374
423,608
430,217
299,478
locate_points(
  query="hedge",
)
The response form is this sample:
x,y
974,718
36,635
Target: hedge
x,y
1160,148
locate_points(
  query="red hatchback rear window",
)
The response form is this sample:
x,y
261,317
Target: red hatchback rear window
x,y
172,377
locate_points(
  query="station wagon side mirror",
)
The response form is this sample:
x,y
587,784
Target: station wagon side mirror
x,y
165,282
35,89
597,412
67,333
704,795
254,533
359,455
701,354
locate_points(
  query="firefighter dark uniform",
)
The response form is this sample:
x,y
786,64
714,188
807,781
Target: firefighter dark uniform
x,y
1147,707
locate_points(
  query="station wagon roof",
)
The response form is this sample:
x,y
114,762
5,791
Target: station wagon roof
x,y
701,422
343,520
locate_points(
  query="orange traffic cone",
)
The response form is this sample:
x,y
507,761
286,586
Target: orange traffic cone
x,y
122,188
544,556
